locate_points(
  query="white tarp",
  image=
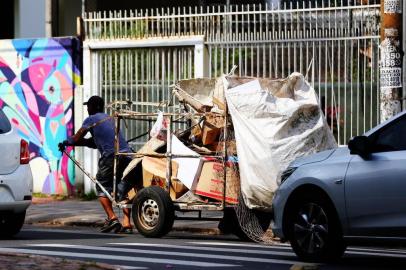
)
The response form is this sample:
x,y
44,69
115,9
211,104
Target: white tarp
x,y
188,166
272,131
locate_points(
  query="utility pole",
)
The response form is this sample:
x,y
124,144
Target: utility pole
x,y
391,58
48,18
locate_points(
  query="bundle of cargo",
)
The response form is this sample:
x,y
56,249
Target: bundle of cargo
x,y
199,172
242,133
274,122
208,137
193,169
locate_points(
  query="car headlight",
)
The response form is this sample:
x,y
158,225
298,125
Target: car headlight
x,y
286,173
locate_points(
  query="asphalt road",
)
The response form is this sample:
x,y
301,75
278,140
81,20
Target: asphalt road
x,y
182,251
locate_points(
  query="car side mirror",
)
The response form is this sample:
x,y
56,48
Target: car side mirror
x,y
359,145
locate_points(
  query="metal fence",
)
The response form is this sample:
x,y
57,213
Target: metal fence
x,y
144,75
335,47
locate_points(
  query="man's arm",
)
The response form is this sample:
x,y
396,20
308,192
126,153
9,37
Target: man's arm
x,y
78,140
78,137
86,142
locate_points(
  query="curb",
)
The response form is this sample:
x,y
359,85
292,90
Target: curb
x,y
207,231
78,223
96,224
74,222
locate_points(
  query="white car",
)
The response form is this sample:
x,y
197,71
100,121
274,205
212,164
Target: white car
x,y
15,179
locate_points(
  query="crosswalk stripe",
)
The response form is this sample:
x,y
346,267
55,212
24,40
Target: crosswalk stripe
x,y
115,257
378,250
279,245
127,267
231,250
393,255
173,253
285,246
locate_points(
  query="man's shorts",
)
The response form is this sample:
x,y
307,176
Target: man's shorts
x,y
105,173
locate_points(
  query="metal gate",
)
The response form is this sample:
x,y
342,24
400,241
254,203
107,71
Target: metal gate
x,y
137,54
141,72
143,75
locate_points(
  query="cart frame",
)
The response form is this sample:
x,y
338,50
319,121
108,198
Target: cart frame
x,y
120,114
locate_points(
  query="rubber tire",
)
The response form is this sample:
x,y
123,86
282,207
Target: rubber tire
x,y
165,207
11,223
230,224
334,247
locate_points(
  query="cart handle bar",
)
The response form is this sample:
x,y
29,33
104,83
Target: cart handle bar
x,y
94,180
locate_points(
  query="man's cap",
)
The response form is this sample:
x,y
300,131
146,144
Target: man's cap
x,y
95,101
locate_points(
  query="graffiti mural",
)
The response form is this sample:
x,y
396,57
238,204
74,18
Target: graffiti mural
x,y
37,82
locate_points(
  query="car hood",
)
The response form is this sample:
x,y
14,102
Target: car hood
x,y
317,157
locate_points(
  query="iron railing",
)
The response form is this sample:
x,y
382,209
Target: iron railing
x,y
336,47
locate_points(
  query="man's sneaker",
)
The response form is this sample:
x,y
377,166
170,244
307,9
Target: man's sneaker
x,y
110,224
118,228
125,230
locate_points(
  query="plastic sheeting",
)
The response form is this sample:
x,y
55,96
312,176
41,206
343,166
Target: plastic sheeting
x,y
273,129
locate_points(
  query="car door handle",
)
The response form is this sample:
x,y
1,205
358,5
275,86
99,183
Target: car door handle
x,y
338,181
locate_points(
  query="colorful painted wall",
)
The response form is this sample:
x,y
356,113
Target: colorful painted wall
x,y
37,83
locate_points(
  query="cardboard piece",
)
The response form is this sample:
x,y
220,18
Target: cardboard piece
x,y
149,147
211,128
218,147
157,166
196,134
219,103
210,182
154,173
131,194
190,197
210,134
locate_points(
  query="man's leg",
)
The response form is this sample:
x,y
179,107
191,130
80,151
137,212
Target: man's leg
x,y
126,218
108,207
112,223
105,178
123,188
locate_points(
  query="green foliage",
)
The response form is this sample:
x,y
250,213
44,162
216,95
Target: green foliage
x,y
39,195
90,196
130,29
57,197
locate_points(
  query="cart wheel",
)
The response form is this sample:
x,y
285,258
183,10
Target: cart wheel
x,y
153,212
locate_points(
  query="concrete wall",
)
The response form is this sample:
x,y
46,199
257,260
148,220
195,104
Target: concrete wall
x,y
29,19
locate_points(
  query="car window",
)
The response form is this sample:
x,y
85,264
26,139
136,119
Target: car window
x,y
5,125
391,138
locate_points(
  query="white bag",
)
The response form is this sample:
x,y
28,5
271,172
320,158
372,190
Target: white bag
x,y
159,129
272,131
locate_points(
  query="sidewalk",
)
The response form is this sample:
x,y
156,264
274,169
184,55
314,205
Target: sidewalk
x,y
75,212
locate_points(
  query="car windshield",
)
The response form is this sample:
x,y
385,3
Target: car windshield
x,y
5,125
